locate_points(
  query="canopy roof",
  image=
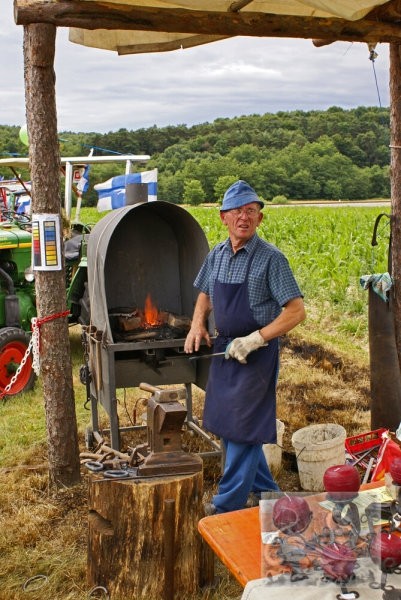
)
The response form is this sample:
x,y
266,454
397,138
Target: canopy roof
x,y
129,26
125,42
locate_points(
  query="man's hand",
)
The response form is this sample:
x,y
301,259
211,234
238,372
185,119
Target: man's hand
x,y
198,331
194,339
240,347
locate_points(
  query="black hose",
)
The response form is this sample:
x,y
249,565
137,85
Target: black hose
x,y
9,281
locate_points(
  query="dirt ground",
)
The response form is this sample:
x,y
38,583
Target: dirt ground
x,y
46,531
315,386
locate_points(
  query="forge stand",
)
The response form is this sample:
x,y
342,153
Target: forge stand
x,y
119,366
150,249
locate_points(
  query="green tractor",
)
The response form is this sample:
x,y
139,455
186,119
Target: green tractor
x,y
17,296
17,288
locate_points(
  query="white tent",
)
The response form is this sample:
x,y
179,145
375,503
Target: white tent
x,y
136,41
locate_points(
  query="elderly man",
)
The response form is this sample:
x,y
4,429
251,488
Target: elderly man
x,y
249,285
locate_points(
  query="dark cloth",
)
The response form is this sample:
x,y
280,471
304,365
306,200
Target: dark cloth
x,y
240,402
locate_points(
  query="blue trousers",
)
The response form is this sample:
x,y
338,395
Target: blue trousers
x,y
245,471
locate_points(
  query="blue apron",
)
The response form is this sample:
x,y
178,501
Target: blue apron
x,y
240,402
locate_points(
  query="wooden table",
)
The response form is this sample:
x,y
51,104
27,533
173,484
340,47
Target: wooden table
x,y
235,537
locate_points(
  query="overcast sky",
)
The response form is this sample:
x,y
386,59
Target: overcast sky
x,y
98,90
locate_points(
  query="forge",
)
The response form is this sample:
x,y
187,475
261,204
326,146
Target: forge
x,y
142,261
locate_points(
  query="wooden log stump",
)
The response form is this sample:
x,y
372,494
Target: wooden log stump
x,y
126,537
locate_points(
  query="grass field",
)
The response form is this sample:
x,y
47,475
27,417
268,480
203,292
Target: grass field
x,y
329,249
44,531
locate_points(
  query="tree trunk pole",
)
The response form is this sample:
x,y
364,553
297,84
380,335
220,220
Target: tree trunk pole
x,y
395,123
56,368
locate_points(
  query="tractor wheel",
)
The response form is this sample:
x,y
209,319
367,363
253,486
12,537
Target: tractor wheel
x,y
13,345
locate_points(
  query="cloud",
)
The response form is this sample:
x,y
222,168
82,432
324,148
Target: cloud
x,y
101,91
239,68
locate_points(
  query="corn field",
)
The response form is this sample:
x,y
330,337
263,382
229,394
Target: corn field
x,y
328,248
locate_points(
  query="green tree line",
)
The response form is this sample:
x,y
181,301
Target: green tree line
x,y
335,154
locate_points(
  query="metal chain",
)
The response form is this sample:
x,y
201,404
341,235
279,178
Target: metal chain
x,y
36,324
35,346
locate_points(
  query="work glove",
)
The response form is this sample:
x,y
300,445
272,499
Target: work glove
x,y
240,347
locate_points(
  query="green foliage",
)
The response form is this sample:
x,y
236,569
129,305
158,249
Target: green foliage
x,y
280,200
193,192
329,250
333,154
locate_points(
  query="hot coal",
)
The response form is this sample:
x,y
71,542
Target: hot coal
x,y
128,325
161,332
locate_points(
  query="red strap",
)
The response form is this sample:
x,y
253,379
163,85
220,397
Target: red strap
x,y
41,320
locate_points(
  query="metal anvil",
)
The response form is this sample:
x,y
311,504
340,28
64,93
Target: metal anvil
x,y
165,418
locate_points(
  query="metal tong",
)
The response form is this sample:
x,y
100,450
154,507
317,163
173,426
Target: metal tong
x,y
207,356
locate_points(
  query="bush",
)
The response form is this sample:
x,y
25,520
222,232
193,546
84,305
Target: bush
x,y
281,199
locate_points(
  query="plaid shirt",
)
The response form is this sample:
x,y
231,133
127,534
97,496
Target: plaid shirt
x,y
271,283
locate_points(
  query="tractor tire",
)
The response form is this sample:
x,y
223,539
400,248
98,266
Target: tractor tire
x,y
13,345
84,315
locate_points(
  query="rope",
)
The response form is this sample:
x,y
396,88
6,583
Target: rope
x,y
41,320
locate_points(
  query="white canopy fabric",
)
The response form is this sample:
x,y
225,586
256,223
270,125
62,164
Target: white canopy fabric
x,y
133,42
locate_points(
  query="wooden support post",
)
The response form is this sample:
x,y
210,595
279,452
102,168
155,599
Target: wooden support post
x,y
126,537
395,123
44,156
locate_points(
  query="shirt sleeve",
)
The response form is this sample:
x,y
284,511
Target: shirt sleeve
x,y
281,281
203,279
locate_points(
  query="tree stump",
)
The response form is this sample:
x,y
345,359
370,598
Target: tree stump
x,y
126,537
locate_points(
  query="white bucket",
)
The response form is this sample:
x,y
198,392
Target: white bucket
x,y
274,452
318,447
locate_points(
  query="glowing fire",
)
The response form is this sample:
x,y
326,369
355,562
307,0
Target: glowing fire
x,y
151,313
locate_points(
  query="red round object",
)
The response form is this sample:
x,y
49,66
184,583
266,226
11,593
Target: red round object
x,y
291,514
385,551
13,345
341,482
395,470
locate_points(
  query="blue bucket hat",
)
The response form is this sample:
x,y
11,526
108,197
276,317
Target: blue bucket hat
x,y
239,194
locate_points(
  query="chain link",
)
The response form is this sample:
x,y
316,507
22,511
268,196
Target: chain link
x,y
35,346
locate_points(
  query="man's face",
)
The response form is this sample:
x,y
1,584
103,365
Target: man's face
x,y
242,222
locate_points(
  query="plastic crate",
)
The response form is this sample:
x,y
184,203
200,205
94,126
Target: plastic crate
x,y
358,444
